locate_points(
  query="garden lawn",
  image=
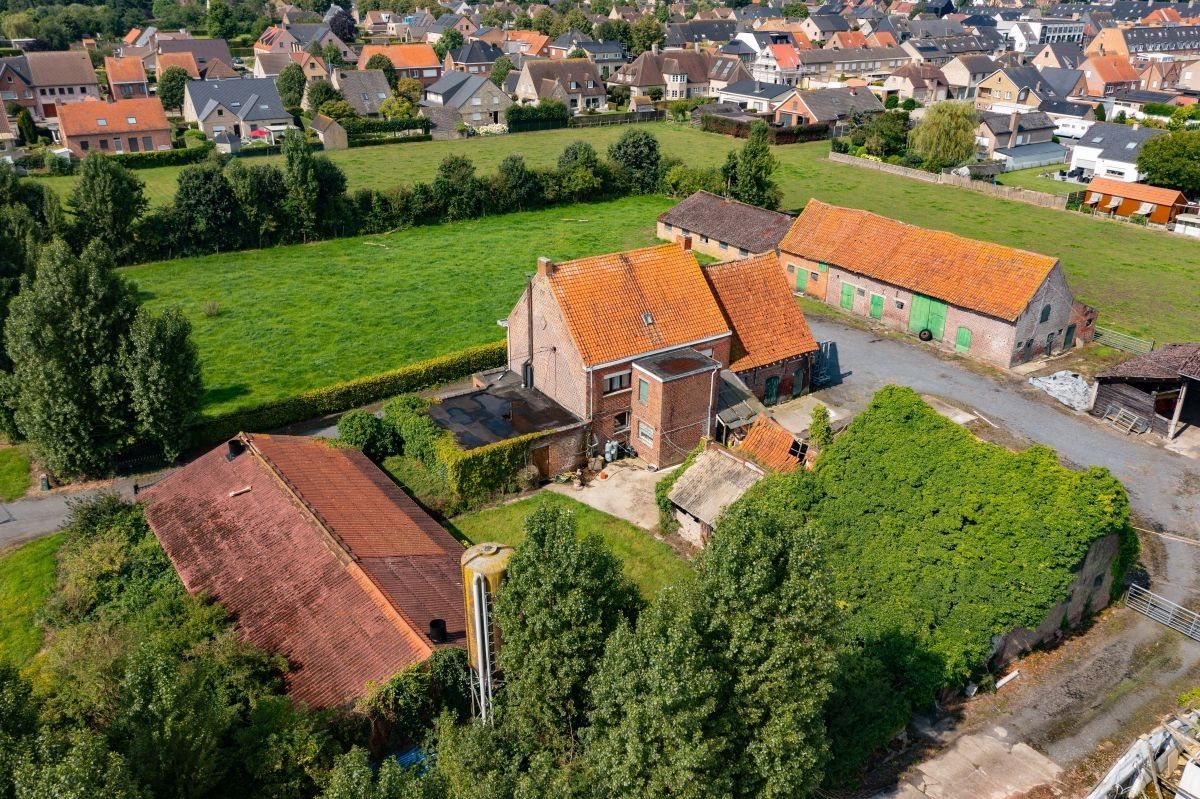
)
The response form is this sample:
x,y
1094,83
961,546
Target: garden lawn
x,y
306,316
1032,179
26,580
650,563
14,473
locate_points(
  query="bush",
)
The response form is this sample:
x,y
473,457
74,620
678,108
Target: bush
x,y
156,158
350,394
374,141
666,515
364,125
545,115
56,165
684,181
776,135
367,432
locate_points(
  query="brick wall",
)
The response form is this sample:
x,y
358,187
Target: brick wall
x,y
700,243
678,413
558,370
794,376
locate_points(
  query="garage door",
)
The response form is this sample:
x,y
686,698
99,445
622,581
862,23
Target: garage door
x,y
928,314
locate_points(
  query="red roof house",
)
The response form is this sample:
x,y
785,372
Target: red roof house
x,y
318,555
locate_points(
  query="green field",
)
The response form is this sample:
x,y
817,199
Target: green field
x,y
26,580
14,473
1032,179
305,316
650,563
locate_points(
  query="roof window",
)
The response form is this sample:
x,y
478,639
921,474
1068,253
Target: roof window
x,y
647,318
102,122
131,120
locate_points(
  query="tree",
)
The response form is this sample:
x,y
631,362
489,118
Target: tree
x,y
338,109
331,54
564,596
615,30
820,431
106,202
884,134
257,188
343,26
207,208
457,190
910,104
290,82
752,183
320,92
500,70
655,93
495,17
892,101
795,11
300,181
353,778
384,64
515,187
1098,112
410,89
578,171
645,34
543,21
397,107
163,369
662,13
576,20
637,153
945,136
171,86
1173,161
63,334
26,127
451,39
222,22
76,763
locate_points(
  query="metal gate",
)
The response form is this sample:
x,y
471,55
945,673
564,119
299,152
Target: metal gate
x,y
1163,611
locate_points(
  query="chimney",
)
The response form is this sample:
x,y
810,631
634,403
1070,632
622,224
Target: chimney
x,y
545,266
685,242
654,48
1013,123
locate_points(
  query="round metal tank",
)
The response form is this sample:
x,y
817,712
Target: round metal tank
x,y
483,569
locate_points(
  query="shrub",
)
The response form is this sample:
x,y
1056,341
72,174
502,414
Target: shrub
x,y
741,130
211,308
666,515
365,431
156,158
543,116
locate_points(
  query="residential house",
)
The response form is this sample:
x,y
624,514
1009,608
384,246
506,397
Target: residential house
x,y
458,22
1189,77
700,32
125,126
302,38
417,61
1071,119
1160,388
832,67
1063,55
1064,82
329,132
8,134
1110,150
237,107
1133,103
575,82
16,85
996,304
1028,36
924,83
755,95
567,43
1122,198
126,78
1107,75
1181,42
723,228
607,56
206,54
1012,87
269,65
527,43
1158,76
964,73
364,89
847,40
474,57
489,35
777,63
185,61
43,81
320,557
471,99
828,106
375,22
1020,140
680,74
822,27
646,372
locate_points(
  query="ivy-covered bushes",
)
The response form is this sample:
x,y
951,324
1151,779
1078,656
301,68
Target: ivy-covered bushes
x,y
666,516
404,708
350,394
363,430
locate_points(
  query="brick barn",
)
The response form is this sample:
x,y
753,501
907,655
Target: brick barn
x,y
318,556
638,344
996,304
723,228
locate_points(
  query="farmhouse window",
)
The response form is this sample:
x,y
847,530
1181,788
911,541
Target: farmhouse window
x,y
643,391
1045,314
617,382
621,422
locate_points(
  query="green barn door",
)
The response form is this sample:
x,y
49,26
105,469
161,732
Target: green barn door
x,y
876,306
927,314
962,341
848,296
937,319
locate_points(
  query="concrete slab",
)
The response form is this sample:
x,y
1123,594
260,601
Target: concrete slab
x,y
991,765
627,492
795,414
1186,443
951,412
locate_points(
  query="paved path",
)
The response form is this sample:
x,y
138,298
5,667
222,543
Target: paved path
x,y
39,514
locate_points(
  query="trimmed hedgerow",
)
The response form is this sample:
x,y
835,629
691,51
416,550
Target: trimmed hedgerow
x,y
156,158
350,394
364,125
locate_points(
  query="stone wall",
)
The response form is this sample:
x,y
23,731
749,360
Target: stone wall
x,y
1005,192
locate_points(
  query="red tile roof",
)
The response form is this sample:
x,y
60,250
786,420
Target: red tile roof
x,y
1137,191
977,275
785,56
769,444
768,325
605,300
402,56
317,555
183,59
124,70
95,117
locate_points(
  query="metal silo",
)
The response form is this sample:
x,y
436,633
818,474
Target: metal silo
x,y
483,570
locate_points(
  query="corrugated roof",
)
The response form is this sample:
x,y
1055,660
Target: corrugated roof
x,y
317,555
768,325
714,481
607,299
981,276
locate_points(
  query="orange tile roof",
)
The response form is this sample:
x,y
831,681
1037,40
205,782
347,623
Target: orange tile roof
x,y
84,119
124,70
785,55
1111,68
1137,191
850,39
132,36
403,56
537,42
769,444
882,39
181,59
605,298
768,325
977,275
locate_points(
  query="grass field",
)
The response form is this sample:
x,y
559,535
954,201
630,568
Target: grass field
x,y
14,473
650,563
26,580
305,316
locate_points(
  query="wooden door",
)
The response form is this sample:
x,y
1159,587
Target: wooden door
x,y
848,296
540,457
876,306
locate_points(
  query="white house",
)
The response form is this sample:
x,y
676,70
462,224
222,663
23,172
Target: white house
x,y
1111,150
755,95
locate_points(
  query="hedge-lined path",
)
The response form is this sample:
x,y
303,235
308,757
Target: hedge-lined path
x,y
42,514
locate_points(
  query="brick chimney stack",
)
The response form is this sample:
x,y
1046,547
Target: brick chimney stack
x,y
545,266
685,242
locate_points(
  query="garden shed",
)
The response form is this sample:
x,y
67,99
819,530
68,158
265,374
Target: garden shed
x,y
714,481
1161,387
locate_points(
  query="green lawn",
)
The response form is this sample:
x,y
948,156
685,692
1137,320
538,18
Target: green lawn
x,y
650,563
1032,179
26,580
14,473
305,316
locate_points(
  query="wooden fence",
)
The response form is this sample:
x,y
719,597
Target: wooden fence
x,y
596,120
1123,341
1005,192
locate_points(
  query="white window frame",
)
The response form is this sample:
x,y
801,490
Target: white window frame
x,y
645,433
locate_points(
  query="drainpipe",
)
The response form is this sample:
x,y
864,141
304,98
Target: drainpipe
x,y
527,367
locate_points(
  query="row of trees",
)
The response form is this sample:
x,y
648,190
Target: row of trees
x,y
944,138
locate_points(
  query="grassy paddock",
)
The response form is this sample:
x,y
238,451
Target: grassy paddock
x,y
26,580
14,473
650,563
306,316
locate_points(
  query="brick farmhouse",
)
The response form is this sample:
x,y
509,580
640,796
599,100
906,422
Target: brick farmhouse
x,y
996,304
636,344
126,126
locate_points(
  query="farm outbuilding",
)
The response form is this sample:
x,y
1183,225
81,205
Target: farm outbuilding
x,y
1161,388
1119,198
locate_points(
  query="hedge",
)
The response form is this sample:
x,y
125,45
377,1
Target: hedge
x,y
546,115
371,141
350,394
741,130
156,158
360,125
